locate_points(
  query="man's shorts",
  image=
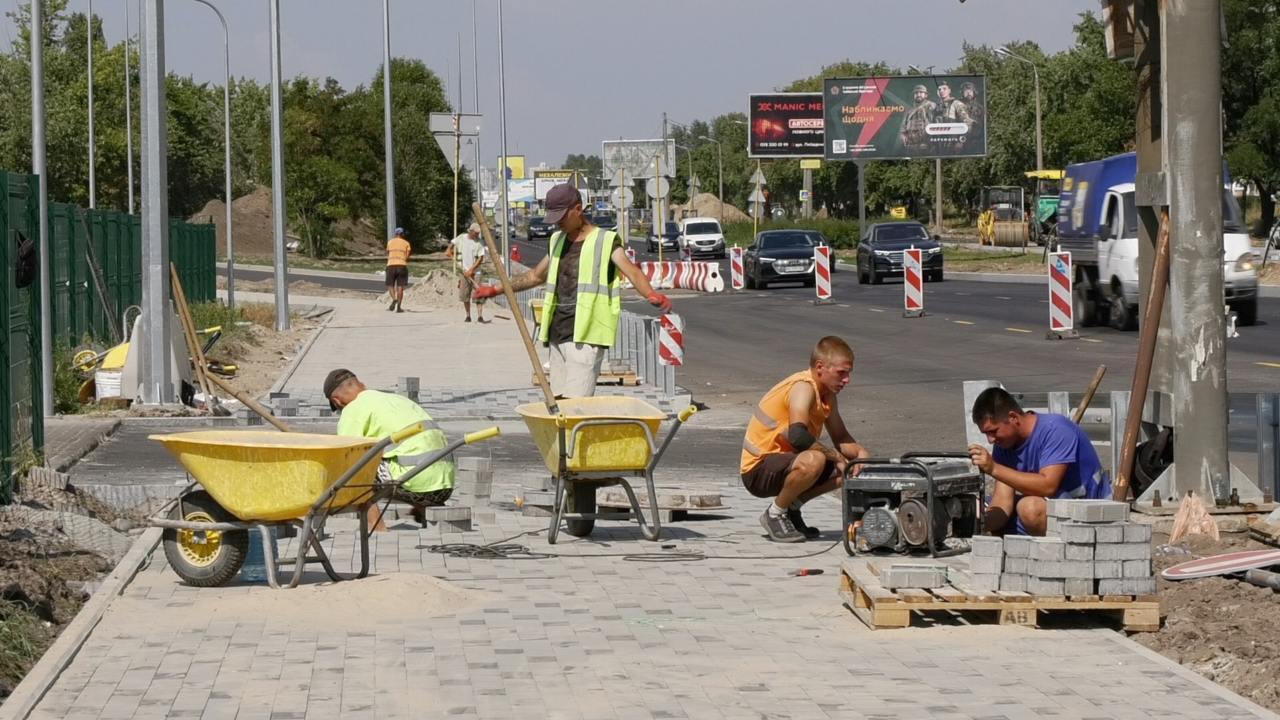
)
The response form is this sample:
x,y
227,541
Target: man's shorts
x,y
466,288
429,498
397,275
574,369
765,480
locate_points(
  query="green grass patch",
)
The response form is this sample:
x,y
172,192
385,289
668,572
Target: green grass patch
x,y
24,637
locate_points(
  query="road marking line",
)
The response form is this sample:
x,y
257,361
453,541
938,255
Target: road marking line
x,y
1018,330
1269,364
962,322
1003,297
1092,340
876,309
843,305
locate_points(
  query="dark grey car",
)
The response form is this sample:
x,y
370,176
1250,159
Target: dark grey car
x,y
880,251
779,256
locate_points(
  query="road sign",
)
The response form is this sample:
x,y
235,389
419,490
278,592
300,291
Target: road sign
x,y
757,178
804,196
757,196
637,156
657,187
810,163
622,197
468,123
620,178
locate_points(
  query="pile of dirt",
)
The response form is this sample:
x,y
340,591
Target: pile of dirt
x,y
708,205
254,236
264,353
360,237
436,289
1222,628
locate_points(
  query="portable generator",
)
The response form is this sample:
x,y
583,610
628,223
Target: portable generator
x,y
913,502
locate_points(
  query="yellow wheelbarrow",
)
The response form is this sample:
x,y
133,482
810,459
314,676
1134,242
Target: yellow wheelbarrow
x,y
256,479
597,442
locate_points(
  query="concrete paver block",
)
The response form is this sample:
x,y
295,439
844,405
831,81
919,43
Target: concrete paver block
x,y
1108,569
1136,568
1018,565
1042,586
986,581
1017,546
1077,551
1061,569
1074,532
913,576
1078,586
1109,533
1122,551
1127,586
1045,548
986,565
986,546
450,513
1137,532
1013,582
1098,511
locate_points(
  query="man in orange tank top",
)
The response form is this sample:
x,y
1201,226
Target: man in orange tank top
x,y
782,457
398,250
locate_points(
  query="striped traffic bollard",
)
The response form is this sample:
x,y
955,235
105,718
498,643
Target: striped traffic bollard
x,y
631,254
671,340
1061,308
822,274
912,283
735,268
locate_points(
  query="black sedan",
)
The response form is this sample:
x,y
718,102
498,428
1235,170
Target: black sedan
x,y
881,248
779,256
539,228
670,239
608,222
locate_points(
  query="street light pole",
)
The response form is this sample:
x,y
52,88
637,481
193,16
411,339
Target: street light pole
x,y
156,359
93,182
38,168
475,100
720,170
502,171
1035,74
389,161
128,109
277,173
226,145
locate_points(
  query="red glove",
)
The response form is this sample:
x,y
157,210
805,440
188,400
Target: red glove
x,y
660,301
487,291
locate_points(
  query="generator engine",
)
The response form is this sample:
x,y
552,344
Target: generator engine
x,y
914,502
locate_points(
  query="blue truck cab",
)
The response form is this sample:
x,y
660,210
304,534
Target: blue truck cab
x,y
1098,225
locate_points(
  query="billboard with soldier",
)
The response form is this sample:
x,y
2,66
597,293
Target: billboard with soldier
x,y
785,125
895,118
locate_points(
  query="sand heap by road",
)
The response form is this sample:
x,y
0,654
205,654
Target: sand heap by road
x,y
251,216
436,289
708,205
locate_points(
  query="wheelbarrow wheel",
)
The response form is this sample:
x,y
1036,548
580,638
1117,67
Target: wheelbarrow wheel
x,y
582,499
204,558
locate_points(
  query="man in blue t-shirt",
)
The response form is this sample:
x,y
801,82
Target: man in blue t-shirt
x,y
1034,457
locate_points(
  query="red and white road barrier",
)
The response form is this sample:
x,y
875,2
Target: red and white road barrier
x,y
1061,307
822,273
671,339
735,268
912,283
702,276
631,254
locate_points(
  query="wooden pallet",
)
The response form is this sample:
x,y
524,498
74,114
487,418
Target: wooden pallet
x,y
881,608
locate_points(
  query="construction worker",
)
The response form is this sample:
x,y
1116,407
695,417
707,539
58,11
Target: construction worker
x,y
1033,457
375,414
583,293
782,457
987,226
398,250
470,251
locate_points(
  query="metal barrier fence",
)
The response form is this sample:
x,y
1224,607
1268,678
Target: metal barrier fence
x,y
636,345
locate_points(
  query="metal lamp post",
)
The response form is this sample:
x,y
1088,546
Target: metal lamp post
x,y
277,174
720,170
38,166
93,183
1035,74
386,117
502,119
128,110
226,142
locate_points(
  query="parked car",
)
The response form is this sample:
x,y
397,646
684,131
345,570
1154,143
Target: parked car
x,y
702,236
880,251
670,238
539,228
779,256
608,222
820,239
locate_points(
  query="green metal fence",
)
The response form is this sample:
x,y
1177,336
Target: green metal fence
x,y
95,271
21,415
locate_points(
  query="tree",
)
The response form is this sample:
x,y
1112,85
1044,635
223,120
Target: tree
x,y
592,168
1251,98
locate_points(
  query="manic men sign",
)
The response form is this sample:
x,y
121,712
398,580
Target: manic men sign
x,y
785,125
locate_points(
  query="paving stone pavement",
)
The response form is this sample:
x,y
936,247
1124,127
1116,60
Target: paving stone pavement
x,y
67,439
588,633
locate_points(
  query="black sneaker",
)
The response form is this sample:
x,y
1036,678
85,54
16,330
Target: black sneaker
x,y
780,528
797,520
392,306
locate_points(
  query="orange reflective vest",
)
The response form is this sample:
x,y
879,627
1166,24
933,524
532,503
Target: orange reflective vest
x,y
767,430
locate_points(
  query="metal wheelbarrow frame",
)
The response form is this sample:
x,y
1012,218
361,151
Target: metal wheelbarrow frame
x,y
311,524
566,479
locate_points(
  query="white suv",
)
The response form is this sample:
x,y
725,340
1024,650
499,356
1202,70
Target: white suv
x,y
702,236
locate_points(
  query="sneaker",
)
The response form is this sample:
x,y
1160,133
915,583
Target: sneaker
x,y
468,319
392,306
780,528
797,521
399,309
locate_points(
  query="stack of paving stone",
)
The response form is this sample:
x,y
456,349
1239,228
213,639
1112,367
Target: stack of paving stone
x,y
1091,549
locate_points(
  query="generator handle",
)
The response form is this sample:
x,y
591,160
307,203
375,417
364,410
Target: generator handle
x,y
927,472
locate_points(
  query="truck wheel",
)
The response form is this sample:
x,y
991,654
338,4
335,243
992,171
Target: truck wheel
x,y
1086,311
1246,312
1124,317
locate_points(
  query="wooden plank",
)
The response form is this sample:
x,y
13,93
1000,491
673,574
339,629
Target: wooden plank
x,y
1015,596
1082,598
977,596
914,596
949,594
866,583
1142,619
1117,598
1018,614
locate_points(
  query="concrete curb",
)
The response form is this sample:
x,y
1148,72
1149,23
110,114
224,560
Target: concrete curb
x,y
37,683
302,353
66,462
1188,674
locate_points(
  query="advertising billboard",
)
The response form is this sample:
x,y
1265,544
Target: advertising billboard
x,y
515,166
895,118
783,125
637,156
544,180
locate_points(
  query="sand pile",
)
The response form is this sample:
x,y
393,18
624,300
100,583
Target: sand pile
x,y
251,215
436,289
708,205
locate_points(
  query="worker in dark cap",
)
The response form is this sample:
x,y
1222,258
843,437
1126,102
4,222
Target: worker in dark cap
x,y
375,414
916,120
583,274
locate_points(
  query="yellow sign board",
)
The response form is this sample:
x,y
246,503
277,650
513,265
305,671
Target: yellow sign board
x,y
810,163
899,212
515,167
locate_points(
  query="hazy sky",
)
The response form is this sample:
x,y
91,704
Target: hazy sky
x,y
582,71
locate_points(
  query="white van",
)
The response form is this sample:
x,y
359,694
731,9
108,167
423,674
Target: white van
x,y
702,236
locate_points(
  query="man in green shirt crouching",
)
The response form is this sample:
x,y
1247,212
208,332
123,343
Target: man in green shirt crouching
x,y
375,414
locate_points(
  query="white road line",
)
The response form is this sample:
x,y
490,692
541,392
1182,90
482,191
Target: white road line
x,y
1017,330
962,322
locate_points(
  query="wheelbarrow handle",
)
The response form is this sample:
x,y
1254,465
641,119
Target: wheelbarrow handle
x,y
479,435
681,418
436,456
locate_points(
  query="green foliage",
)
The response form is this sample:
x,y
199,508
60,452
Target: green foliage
x,y
23,639
842,234
1251,98
591,166
66,383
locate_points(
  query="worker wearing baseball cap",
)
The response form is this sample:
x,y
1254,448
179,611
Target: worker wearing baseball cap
x,y
398,250
583,275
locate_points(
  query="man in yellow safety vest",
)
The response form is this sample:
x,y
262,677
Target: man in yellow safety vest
x,y
782,457
582,274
